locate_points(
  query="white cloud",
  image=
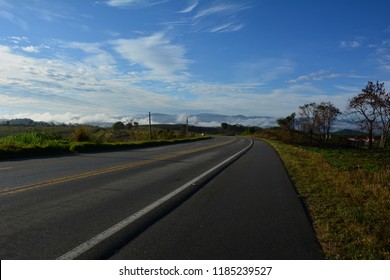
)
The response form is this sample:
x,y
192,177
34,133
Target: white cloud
x,y
66,91
165,61
354,44
220,9
67,117
30,84
30,49
133,3
219,18
190,8
17,39
96,56
316,76
228,27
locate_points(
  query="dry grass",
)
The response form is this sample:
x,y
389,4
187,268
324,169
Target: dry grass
x,y
350,209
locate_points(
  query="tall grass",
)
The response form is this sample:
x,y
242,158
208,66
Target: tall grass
x,y
31,139
350,207
83,139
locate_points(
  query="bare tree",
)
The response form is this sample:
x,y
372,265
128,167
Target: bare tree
x,y
308,120
384,115
325,115
366,104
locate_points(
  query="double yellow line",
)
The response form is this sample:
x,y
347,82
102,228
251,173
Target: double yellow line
x,y
107,170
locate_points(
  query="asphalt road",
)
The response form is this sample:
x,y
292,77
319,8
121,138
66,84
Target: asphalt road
x,y
249,211
48,206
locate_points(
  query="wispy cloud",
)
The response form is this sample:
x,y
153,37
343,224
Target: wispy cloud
x,y
10,16
350,44
316,76
22,13
355,43
264,70
163,60
220,9
30,49
228,27
382,54
133,3
16,39
219,18
190,8
95,55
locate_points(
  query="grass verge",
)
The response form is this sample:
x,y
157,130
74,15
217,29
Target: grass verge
x,y
350,207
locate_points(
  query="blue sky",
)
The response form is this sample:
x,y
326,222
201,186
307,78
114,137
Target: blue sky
x,y
97,60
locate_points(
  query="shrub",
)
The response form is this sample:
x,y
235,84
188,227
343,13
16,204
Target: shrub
x,y
81,134
118,126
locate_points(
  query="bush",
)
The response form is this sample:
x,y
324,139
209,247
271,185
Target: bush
x,y
118,126
81,134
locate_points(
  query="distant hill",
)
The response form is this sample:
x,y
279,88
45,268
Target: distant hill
x,y
210,120
24,122
201,120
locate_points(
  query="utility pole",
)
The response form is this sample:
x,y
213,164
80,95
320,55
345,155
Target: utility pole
x,y
150,127
187,128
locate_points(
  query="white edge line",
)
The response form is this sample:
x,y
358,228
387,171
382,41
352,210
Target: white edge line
x,y
79,250
5,168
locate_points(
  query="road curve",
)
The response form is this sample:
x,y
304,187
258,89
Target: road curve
x,y
249,211
49,206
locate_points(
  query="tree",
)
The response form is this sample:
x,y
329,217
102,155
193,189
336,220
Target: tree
x,y
118,126
129,125
288,123
325,115
224,126
384,116
308,120
366,104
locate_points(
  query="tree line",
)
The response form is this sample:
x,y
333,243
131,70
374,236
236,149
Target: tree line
x,y
370,109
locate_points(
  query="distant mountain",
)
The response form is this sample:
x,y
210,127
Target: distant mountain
x,y
201,120
209,120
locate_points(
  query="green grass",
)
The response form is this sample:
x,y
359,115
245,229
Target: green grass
x,y
350,207
352,158
27,141
32,139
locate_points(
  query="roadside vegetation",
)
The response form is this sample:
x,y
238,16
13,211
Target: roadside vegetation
x,y
22,141
344,180
347,193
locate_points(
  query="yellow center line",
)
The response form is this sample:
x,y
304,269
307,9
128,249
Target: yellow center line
x,y
107,170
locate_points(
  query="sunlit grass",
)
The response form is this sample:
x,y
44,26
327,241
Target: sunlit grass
x,y
31,139
84,139
350,207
